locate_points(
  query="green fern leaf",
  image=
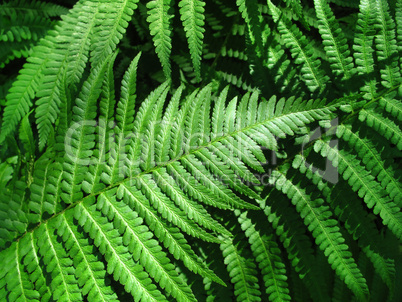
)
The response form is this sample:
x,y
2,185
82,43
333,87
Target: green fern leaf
x,y
334,41
386,44
173,240
267,254
64,284
111,23
145,249
17,279
192,16
81,136
365,185
120,261
242,271
159,25
373,161
363,43
382,125
326,233
301,50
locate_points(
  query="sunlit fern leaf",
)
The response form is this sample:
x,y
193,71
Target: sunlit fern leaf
x,y
59,265
392,104
171,237
31,80
81,138
78,52
120,262
31,261
69,58
192,16
90,272
160,28
111,23
23,90
124,127
242,271
145,249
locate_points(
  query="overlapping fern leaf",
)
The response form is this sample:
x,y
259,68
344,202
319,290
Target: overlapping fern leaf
x,y
155,183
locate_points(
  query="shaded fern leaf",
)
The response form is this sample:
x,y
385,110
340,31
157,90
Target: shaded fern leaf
x,y
326,232
267,254
334,40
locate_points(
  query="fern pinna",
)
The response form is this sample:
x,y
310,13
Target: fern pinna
x,y
261,164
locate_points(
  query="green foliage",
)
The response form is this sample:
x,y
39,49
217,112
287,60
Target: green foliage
x,y
251,151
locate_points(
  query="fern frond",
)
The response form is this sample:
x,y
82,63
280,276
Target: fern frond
x,y
111,23
326,233
267,254
192,16
31,79
291,233
145,249
32,264
17,279
82,28
90,272
23,90
171,237
242,271
392,106
363,47
160,27
334,40
81,136
124,122
386,175
301,50
357,221
383,125
59,265
168,211
120,261
386,45
364,184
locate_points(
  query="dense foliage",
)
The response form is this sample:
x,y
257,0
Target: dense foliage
x,y
196,150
